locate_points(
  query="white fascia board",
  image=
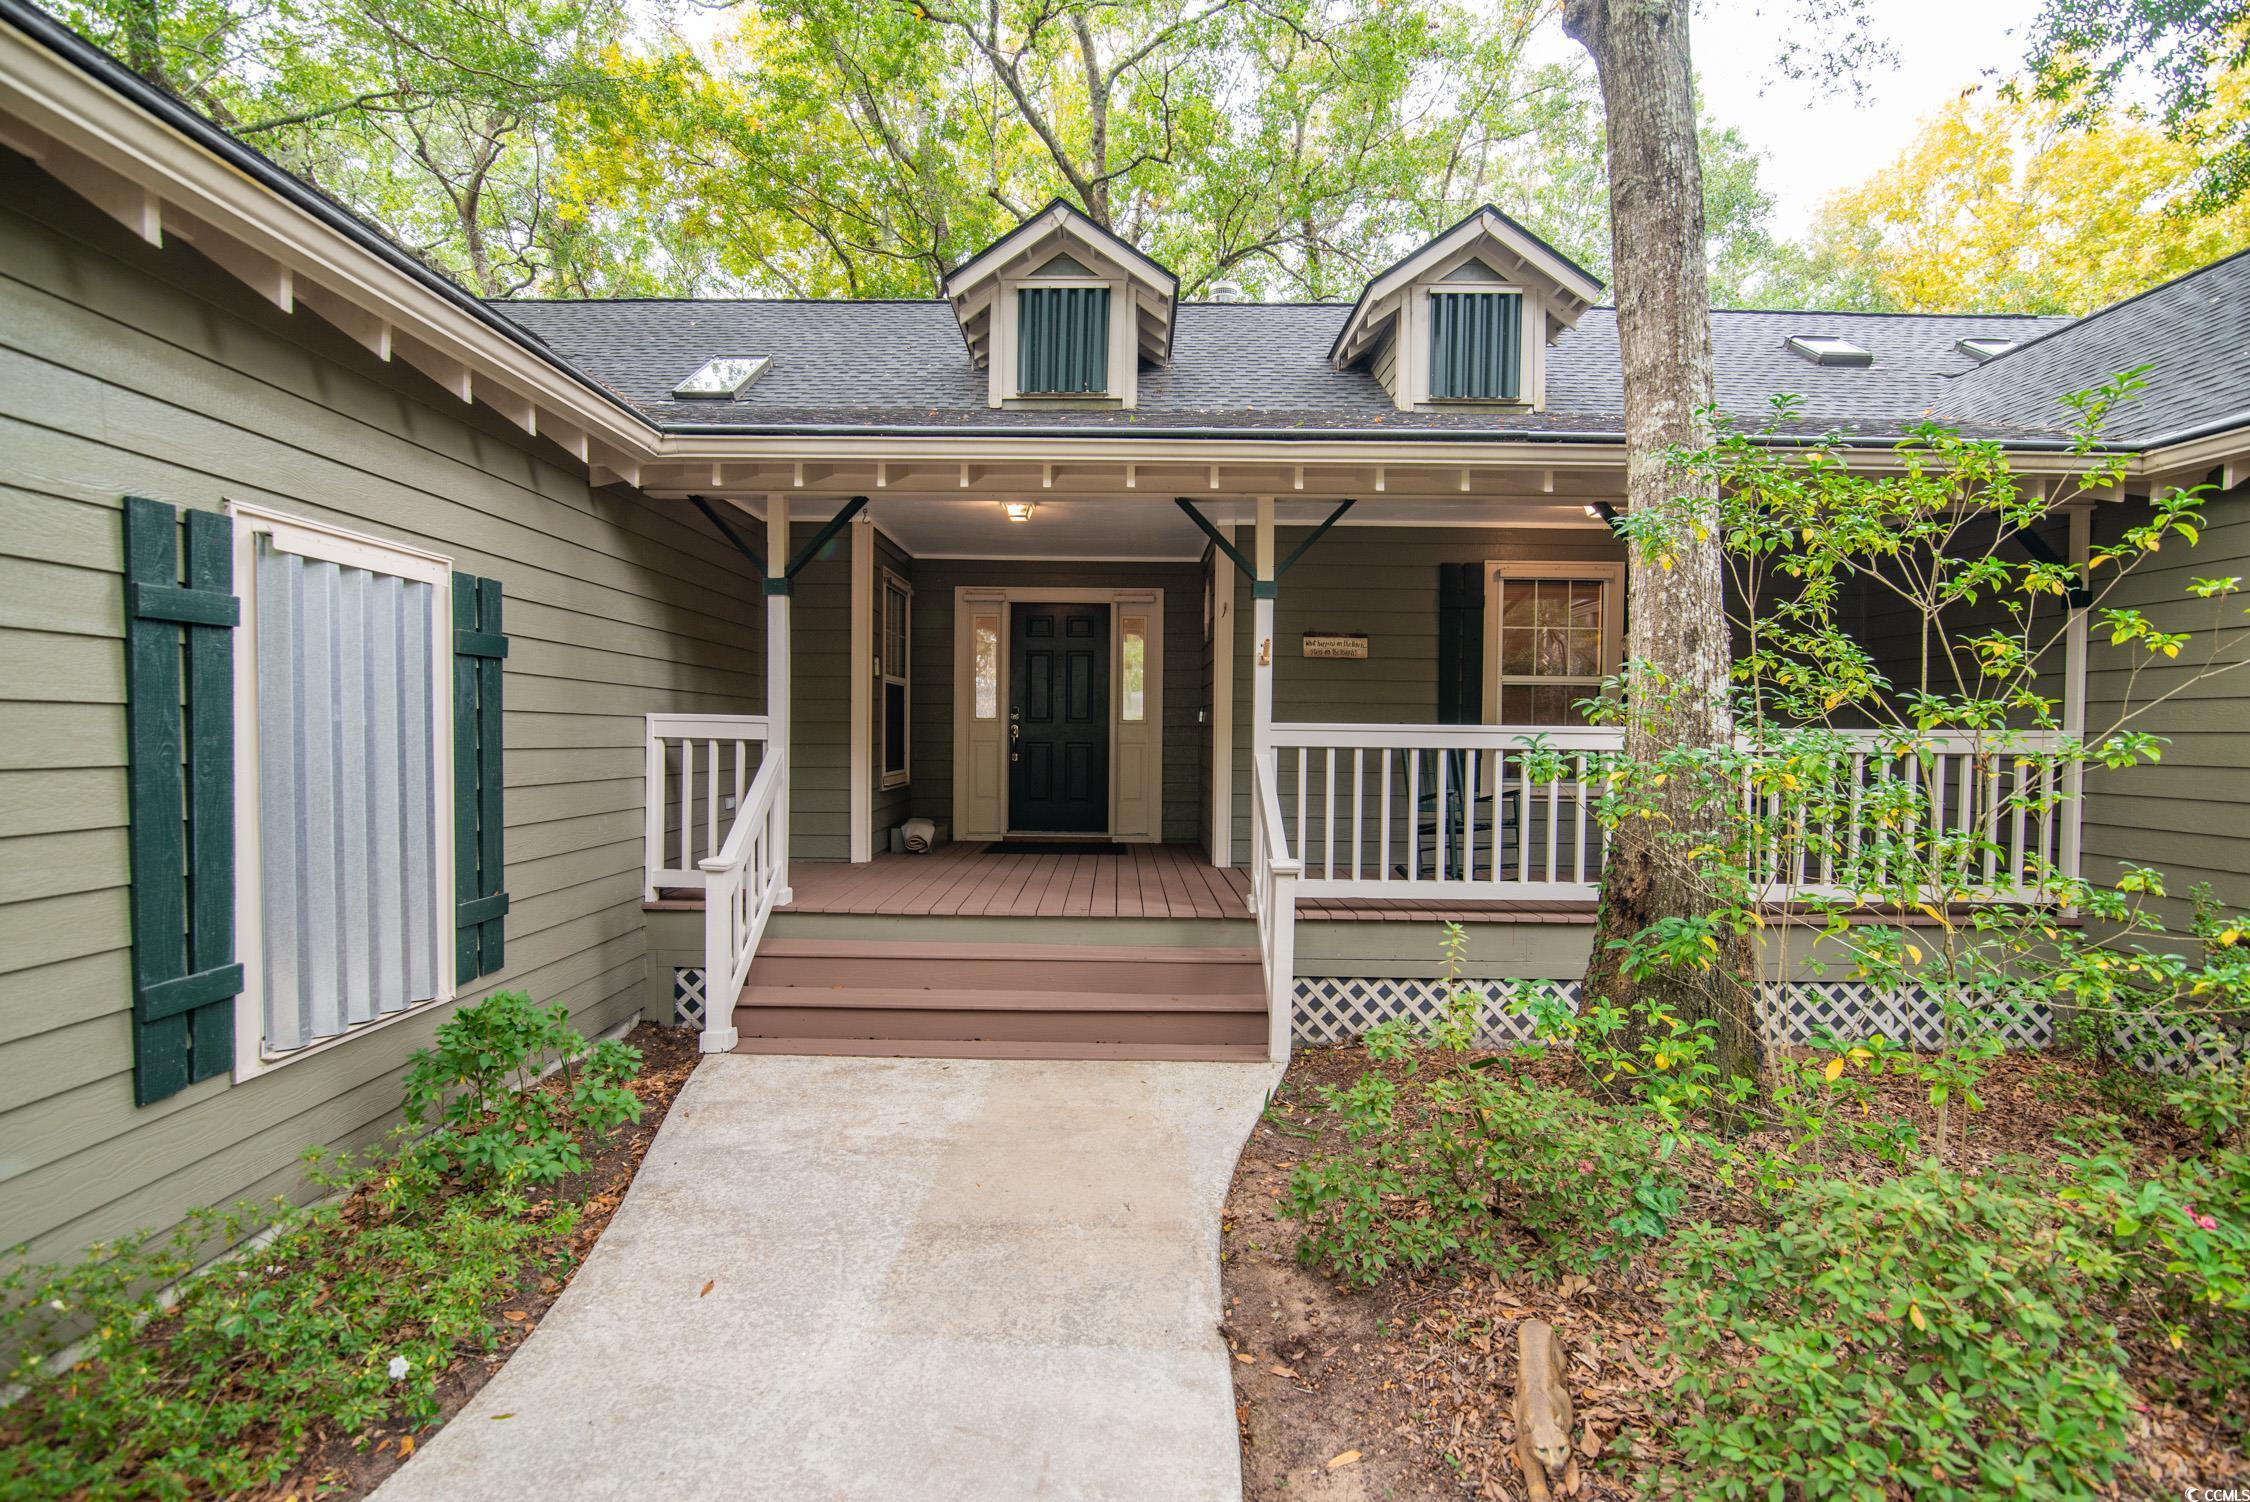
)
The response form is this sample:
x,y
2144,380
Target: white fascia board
x,y
51,96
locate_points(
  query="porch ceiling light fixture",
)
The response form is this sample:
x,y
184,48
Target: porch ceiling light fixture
x,y
1019,511
724,378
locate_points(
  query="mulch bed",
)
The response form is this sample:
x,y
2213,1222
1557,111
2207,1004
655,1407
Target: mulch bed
x,y
1403,1392
348,1466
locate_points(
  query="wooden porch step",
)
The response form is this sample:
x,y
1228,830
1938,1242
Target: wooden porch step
x,y
830,1015
1027,1000
1027,969
928,1048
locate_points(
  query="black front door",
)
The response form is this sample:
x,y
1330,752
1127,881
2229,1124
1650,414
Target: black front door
x,y
1058,719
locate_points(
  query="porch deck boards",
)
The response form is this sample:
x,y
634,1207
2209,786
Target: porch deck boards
x,y
970,880
1140,881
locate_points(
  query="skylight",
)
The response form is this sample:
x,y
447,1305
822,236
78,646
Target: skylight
x,y
1829,349
724,378
1983,349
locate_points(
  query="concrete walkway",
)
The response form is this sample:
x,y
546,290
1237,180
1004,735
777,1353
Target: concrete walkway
x,y
931,1279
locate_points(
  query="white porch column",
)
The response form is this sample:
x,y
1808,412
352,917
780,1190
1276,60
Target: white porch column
x,y
2074,696
862,777
1222,703
777,669
1261,634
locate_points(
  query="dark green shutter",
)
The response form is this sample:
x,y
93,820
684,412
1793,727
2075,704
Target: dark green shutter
x,y
179,698
481,903
1460,644
1476,346
1062,341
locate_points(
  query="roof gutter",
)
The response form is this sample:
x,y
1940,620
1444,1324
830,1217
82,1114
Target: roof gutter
x,y
1281,435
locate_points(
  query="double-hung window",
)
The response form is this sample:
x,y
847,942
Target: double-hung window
x,y
1556,632
894,669
1476,346
344,771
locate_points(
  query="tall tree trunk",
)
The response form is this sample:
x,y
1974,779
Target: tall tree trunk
x,y
1678,631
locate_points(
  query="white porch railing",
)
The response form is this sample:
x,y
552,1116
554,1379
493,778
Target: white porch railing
x,y
1477,812
1273,900
741,885
699,771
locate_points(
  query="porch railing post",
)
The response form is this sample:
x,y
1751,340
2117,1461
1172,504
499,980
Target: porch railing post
x,y
777,674
1261,634
2074,698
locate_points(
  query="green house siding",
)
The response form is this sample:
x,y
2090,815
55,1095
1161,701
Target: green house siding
x,y
130,370
2188,816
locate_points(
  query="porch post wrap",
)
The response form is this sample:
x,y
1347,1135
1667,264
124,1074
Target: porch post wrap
x,y
712,516
1261,634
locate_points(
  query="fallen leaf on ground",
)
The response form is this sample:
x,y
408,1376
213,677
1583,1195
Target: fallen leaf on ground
x,y
708,1287
1244,1357
496,1418
1349,1457
514,1316
1281,1371
405,1445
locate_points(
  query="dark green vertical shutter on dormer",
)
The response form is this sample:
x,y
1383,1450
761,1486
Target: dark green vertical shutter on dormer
x,y
1476,346
480,898
1062,341
179,704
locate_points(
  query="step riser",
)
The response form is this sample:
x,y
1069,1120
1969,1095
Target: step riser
x,y
963,1025
1120,977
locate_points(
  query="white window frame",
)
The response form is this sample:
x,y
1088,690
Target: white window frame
x,y
1612,577
313,539
886,583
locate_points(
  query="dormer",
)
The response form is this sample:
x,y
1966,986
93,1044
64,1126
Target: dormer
x,y
1059,312
1465,321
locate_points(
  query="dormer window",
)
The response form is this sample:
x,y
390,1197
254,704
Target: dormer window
x,y
1476,346
1061,311
1062,341
1467,317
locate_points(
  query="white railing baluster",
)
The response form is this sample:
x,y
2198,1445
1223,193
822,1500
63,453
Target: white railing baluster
x,y
1816,840
1383,835
671,736
1328,814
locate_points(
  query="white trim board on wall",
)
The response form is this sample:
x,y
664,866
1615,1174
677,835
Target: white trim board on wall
x,y
980,768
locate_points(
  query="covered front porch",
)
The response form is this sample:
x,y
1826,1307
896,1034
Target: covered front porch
x,y
1304,708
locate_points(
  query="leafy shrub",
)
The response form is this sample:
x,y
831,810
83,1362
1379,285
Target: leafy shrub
x,y
1487,1162
2177,1245
493,1126
222,1392
1926,1337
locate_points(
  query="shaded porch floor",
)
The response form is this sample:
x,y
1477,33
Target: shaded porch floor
x,y
970,879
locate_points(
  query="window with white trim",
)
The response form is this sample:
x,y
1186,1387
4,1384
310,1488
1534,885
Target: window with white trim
x,y
344,750
894,681
1554,632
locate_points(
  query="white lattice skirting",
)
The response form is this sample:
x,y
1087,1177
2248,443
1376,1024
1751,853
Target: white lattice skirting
x,y
1335,1009
687,996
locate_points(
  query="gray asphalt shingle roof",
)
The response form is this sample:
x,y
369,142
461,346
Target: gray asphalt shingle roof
x,y
1264,366
2194,332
